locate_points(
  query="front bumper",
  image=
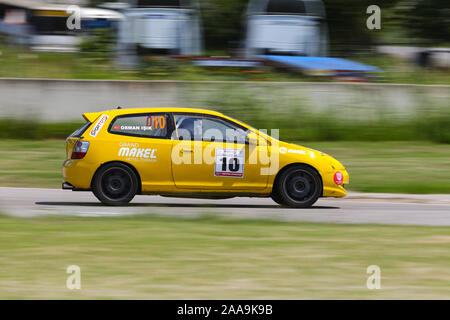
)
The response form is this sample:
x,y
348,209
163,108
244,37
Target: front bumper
x,y
331,189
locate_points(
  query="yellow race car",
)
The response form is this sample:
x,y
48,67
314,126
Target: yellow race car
x,y
185,152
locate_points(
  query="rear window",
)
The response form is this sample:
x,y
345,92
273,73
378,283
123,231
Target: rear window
x,y
79,132
142,125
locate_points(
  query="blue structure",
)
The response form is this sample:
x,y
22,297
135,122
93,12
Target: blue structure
x,y
323,65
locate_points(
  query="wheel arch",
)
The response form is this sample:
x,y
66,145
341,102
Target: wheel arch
x,y
139,191
290,165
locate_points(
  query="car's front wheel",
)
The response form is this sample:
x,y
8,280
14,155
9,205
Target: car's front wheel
x,y
276,197
299,186
115,184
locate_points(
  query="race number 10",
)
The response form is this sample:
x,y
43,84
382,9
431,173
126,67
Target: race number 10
x,y
229,163
156,121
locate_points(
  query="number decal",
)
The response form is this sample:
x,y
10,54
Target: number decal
x,y
224,164
155,121
229,163
234,165
162,122
149,121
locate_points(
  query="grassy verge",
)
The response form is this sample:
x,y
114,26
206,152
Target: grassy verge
x,y
401,71
299,123
402,167
36,130
405,167
148,257
31,163
21,63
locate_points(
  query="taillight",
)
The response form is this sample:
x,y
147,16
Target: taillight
x,y
80,150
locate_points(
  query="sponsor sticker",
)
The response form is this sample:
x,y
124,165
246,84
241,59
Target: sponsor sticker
x,y
131,151
98,125
229,163
338,178
133,128
284,150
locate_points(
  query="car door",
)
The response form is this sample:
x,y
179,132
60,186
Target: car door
x,y
211,153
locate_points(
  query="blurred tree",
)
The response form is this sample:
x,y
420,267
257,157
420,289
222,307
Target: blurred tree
x,y
98,45
223,22
347,24
428,20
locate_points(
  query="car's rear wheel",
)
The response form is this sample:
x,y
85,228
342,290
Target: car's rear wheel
x,y
299,186
115,184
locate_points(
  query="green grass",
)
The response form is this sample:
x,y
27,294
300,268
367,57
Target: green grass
x,y
148,257
401,167
31,163
21,63
401,71
31,129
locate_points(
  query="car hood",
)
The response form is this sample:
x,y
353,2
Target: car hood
x,y
293,149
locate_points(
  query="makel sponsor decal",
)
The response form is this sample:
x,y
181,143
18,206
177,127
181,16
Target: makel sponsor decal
x,y
98,125
137,153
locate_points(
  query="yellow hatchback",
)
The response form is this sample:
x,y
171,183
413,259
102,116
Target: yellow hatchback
x,y
185,152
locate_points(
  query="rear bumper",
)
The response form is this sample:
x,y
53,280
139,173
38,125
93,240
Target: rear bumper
x,y
67,186
77,175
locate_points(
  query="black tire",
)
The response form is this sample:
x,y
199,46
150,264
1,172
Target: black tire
x,y
276,197
115,184
299,186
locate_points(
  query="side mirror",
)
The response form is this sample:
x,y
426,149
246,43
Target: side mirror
x,y
252,138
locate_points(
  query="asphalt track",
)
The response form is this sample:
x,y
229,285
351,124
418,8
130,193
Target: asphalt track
x,y
356,208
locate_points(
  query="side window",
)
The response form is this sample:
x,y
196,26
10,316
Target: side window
x,y
207,129
141,125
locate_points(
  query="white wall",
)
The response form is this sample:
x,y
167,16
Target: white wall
x,y
60,100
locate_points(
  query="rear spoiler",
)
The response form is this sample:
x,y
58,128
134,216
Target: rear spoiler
x,y
91,116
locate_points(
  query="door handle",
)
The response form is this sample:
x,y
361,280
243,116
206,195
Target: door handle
x,y
186,150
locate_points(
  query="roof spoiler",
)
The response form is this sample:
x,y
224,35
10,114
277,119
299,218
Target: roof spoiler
x,y
91,116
